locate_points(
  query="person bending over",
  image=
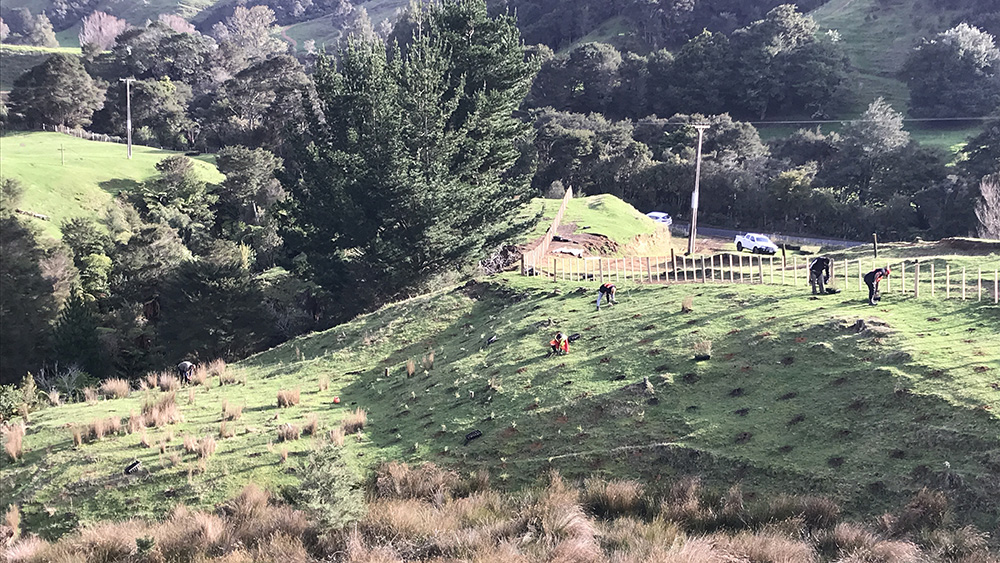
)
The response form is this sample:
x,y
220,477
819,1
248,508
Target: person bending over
x,y
819,274
607,290
871,280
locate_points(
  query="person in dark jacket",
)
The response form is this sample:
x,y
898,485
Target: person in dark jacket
x,y
871,280
606,290
184,370
819,274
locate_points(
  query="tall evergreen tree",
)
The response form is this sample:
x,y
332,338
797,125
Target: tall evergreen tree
x,y
411,172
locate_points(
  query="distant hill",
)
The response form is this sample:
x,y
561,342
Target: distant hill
x,y
92,174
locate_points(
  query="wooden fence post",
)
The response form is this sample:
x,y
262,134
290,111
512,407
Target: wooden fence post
x,y
996,286
760,269
784,265
861,274
795,267
947,281
888,280
963,283
600,268
932,279
555,276
649,270
847,268
979,283
916,280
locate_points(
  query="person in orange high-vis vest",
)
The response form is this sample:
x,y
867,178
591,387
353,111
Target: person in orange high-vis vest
x,y
559,344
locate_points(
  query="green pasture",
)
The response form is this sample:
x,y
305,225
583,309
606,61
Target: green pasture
x,y
66,177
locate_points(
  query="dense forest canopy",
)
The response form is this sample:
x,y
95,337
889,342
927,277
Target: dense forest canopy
x,y
367,172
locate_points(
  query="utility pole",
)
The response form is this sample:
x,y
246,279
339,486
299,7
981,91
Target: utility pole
x,y
694,195
128,112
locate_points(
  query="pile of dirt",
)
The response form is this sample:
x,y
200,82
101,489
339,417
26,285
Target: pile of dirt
x,y
570,242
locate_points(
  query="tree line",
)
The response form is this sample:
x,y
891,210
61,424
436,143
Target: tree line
x,y
372,173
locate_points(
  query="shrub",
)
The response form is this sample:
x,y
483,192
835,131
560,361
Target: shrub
x,y
231,412
136,422
337,436
115,388
77,435
26,549
144,439
190,445
354,421
216,368
287,432
311,425
288,397
90,395
429,361
169,382
14,441
97,429
328,489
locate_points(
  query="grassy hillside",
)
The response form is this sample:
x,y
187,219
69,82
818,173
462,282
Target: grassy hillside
x,y
793,400
16,59
599,214
92,174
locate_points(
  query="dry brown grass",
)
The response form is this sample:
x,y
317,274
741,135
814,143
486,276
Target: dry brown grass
x,y
354,421
12,518
152,380
428,361
284,454
90,395
216,367
702,347
77,435
169,382
231,412
288,432
115,388
53,396
226,431
337,436
13,442
136,422
27,549
288,397
311,425
612,498
206,447
411,368
162,412
190,444
687,304
144,439
199,375
324,383
190,396
394,480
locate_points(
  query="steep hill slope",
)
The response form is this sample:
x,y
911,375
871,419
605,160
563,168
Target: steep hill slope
x,y
793,400
67,177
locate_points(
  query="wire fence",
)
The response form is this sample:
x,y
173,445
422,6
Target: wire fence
x,y
933,278
83,134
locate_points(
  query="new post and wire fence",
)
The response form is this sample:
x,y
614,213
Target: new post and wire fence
x,y
533,258
930,278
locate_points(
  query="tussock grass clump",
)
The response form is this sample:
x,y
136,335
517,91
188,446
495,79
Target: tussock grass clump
x,y
288,397
226,431
428,361
411,368
190,444
324,383
394,480
162,412
613,498
169,382
54,399
926,510
231,412
199,375
90,395
354,421
115,388
190,396
77,433
311,425
687,304
206,447
136,422
13,442
702,348
337,436
152,380
12,519
144,439
101,427
288,432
